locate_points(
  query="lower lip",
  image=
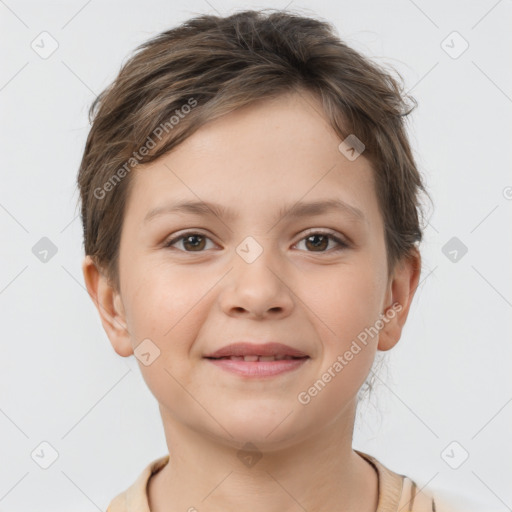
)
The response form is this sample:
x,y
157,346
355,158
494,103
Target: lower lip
x,y
259,368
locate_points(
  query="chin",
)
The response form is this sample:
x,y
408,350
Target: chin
x,y
272,431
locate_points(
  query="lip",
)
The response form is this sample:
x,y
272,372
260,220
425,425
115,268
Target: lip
x,y
257,369
256,349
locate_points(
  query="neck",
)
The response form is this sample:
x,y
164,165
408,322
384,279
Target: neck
x,y
321,472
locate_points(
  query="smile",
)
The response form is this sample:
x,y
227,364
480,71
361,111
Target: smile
x,y
258,358
258,366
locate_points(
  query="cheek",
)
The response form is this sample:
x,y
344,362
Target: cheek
x,y
347,307
349,301
168,311
158,296
167,308
349,344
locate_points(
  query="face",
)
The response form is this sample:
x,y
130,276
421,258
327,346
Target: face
x,y
246,269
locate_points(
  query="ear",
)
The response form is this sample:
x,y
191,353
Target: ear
x,y
401,289
110,307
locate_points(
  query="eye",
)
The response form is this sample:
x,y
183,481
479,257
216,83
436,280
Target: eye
x,y
316,241
195,241
319,241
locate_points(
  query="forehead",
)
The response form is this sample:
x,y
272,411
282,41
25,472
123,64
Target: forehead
x,y
270,152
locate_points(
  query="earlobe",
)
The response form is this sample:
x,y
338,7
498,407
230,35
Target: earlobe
x,y
110,307
402,288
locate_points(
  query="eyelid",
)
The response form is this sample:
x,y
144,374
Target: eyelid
x,y
341,240
188,232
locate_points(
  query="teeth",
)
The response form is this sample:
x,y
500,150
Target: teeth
x,y
253,359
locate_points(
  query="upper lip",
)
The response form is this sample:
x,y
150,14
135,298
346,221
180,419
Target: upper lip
x,y
256,349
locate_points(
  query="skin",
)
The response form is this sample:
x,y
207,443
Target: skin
x,y
191,302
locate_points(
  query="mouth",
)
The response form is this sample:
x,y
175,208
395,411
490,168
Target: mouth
x,y
253,360
256,358
248,351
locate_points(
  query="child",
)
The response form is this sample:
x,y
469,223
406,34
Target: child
x,y
250,207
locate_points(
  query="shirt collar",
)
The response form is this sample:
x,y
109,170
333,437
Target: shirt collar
x,y
135,498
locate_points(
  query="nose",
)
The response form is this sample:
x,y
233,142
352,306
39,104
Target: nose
x,y
257,289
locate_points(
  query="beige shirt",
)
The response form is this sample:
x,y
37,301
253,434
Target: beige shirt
x,y
396,492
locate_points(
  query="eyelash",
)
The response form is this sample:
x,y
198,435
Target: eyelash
x,y
331,235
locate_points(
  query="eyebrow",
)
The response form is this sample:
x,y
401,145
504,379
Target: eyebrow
x,y
299,209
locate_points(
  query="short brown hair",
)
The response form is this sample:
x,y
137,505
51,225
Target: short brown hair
x,y
218,64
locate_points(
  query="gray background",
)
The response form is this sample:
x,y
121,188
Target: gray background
x,y
448,380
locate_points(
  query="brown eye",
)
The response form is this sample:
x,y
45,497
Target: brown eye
x,y
190,242
196,242
315,242
319,242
